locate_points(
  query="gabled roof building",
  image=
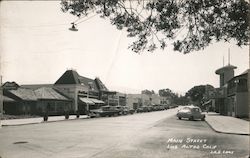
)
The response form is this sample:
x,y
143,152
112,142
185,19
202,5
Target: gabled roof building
x,y
86,93
20,100
71,92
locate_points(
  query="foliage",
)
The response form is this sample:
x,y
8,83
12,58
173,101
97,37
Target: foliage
x,y
166,93
175,98
198,93
148,92
181,100
190,25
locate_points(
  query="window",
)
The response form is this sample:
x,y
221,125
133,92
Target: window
x,y
242,85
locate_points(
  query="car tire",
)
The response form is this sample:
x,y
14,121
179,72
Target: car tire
x,y
179,118
191,118
203,119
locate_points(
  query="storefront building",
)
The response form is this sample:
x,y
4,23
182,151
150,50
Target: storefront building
x,y
86,93
237,96
27,101
231,98
71,93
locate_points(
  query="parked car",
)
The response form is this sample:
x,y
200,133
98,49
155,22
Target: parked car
x,y
128,110
190,112
104,111
139,110
150,108
142,109
173,106
161,107
124,110
121,110
166,107
156,107
131,110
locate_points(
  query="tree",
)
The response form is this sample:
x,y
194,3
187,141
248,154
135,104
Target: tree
x,y
166,93
175,97
197,93
181,100
148,92
189,25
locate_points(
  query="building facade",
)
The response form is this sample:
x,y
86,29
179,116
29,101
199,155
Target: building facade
x,y
86,93
237,96
231,98
21,100
138,100
73,94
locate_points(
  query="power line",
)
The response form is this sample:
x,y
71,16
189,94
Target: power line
x,y
50,25
36,26
115,55
75,22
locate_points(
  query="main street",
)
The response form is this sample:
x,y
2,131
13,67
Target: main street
x,y
146,135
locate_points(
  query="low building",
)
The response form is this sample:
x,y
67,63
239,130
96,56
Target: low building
x,y
116,99
71,92
138,100
51,101
33,101
24,99
134,101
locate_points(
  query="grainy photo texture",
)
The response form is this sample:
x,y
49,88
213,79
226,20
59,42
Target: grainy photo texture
x,y
124,79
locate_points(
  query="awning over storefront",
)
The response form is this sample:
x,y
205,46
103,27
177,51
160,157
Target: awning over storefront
x,y
96,101
87,101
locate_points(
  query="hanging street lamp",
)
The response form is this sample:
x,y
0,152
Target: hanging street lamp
x,y
73,27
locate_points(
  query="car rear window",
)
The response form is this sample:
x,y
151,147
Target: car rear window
x,y
185,110
196,109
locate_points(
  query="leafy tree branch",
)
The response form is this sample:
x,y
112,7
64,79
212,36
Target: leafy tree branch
x,y
189,25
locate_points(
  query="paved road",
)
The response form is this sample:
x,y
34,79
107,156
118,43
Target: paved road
x,y
147,135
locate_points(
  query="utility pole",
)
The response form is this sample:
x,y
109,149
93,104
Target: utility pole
x,y
108,99
87,108
223,61
89,89
1,101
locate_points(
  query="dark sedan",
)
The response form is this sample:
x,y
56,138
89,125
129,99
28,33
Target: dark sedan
x,y
191,112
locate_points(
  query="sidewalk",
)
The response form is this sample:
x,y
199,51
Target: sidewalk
x,y
227,124
16,122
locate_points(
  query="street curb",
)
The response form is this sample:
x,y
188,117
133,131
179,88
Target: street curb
x,y
245,134
43,122
22,124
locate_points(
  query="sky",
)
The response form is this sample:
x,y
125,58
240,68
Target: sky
x,y
36,47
